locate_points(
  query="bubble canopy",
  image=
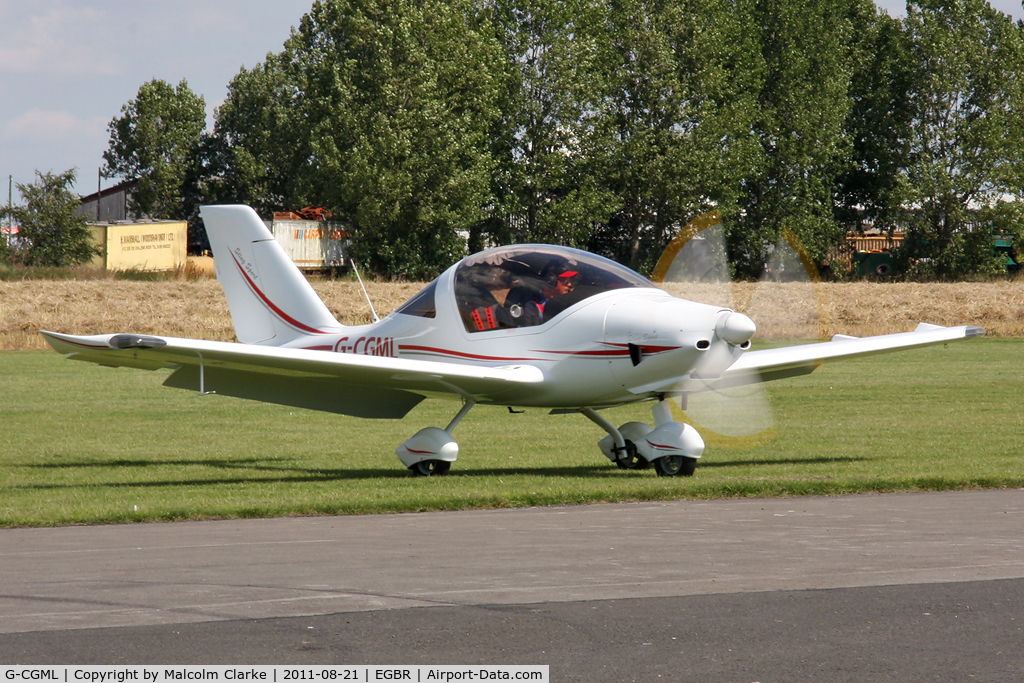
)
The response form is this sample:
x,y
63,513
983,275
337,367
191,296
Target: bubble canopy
x,y
528,285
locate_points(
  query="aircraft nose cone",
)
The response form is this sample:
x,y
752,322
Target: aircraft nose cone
x,y
735,328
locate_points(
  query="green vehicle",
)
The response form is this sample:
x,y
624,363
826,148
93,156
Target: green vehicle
x,y
876,263
882,263
1002,245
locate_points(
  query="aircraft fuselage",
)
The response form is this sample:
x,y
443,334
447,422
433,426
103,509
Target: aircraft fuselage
x,y
585,353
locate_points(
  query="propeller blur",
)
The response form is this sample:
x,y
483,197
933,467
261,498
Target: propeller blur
x,y
784,302
520,326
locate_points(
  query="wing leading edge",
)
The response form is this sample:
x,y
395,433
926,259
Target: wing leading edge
x,y
790,361
349,384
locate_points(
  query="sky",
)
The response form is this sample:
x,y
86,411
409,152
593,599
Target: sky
x,y
897,8
67,67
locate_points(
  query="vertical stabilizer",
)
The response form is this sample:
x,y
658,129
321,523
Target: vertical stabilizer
x,y
270,301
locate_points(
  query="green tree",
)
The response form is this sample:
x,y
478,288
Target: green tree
x,y
966,143
546,182
50,233
154,142
381,111
260,145
680,80
878,126
803,108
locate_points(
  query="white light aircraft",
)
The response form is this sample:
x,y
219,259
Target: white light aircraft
x,y
518,326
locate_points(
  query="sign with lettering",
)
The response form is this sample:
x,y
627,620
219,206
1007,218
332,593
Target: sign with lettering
x,y
145,246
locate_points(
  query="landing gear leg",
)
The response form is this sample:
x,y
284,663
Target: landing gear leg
x,y
622,451
619,448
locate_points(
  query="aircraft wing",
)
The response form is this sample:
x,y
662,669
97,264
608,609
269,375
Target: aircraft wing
x,y
350,384
790,361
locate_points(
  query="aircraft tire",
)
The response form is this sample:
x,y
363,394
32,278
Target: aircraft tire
x,y
632,461
675,466
431,468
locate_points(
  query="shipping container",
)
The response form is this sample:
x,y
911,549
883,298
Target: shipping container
x,y
312,245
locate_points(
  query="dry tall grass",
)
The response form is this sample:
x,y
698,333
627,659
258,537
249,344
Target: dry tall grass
x,y
197,308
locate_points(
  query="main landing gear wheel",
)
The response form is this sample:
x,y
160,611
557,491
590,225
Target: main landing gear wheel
x,y
632,461
675,466
429,468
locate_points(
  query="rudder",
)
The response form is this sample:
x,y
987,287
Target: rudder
x,y
270,301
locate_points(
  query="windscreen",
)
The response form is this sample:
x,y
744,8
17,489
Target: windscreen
x,y
523,286
422,304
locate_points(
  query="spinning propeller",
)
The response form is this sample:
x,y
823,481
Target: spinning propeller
x,y
782,304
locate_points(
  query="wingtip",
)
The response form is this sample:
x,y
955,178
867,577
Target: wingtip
x,y
969,330
51,336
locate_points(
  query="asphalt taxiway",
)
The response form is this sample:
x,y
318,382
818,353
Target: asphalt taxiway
x,y
862,588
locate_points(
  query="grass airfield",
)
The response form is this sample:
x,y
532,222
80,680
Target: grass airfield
x,y
82,444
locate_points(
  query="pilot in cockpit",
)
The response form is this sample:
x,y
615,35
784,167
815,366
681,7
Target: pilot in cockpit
x,y
519,290
527,301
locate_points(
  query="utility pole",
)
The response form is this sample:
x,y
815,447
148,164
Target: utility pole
x,y
10,184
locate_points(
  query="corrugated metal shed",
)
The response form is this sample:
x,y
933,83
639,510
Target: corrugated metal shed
x,y
109,205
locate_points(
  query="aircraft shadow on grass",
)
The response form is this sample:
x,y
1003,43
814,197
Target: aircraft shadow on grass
x,y
301,474
248,463
784,461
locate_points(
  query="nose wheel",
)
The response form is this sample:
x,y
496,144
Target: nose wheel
x,y
671,447
431,468
675,466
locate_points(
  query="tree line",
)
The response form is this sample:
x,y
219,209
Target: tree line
x,y
607,125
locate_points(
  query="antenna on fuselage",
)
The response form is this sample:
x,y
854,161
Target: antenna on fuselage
x,y
376,319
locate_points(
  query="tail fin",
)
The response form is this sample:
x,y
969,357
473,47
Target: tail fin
x,y
271,302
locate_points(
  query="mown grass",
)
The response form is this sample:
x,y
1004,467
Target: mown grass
x,y
84,444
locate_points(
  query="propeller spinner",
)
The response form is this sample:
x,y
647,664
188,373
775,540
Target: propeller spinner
x,y
694,266
735,328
